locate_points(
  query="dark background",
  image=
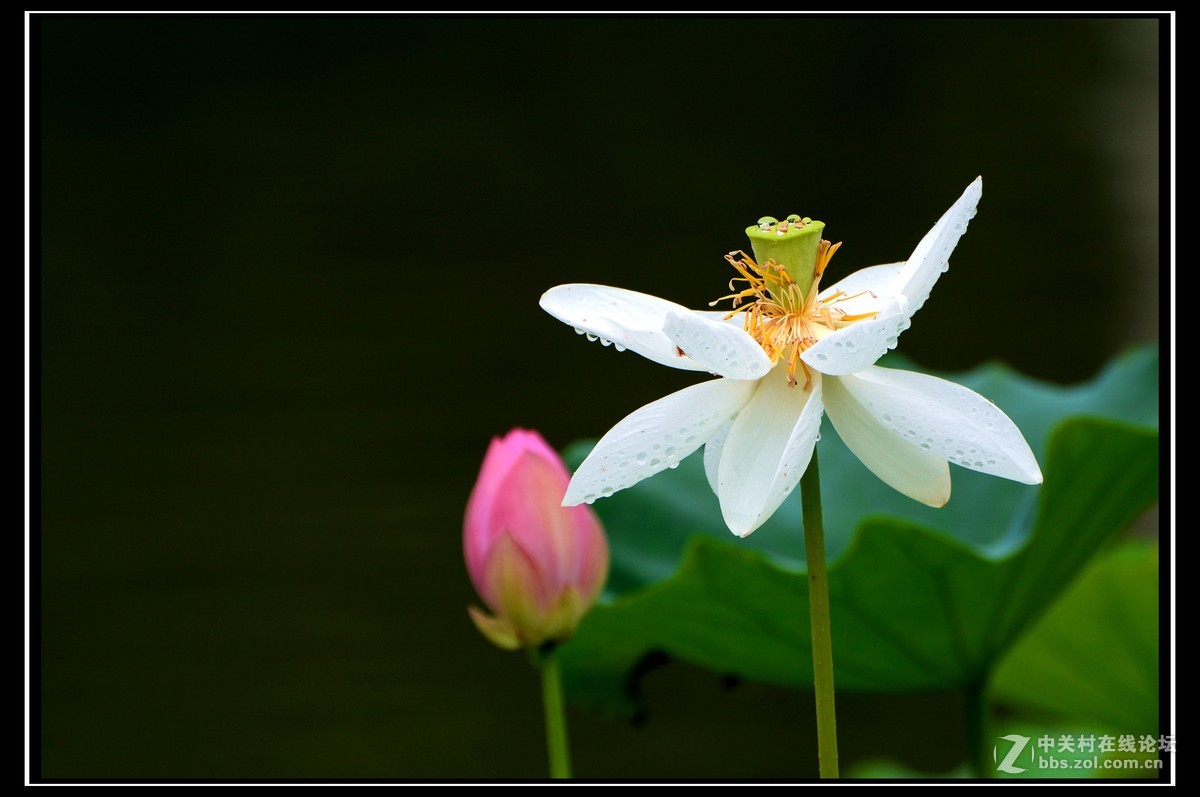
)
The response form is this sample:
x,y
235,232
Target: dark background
x,y
289,271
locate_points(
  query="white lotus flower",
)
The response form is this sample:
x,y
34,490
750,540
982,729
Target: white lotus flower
x,y
758,423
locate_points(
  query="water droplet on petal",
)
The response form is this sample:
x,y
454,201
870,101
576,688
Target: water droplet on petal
x,y
607,491
592,337
578,331
605,342
673,465
618,347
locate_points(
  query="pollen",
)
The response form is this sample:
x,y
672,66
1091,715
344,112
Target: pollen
x,y
777,313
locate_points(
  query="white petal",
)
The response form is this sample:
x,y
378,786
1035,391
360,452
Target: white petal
x,y
767,451
899,463
737,319
719,346
712,456
854,347
945,419
656,437
627,318
932,256
869,287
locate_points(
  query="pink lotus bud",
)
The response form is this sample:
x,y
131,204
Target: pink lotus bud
x,y
538,565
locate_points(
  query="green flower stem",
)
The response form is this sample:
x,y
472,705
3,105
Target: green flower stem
x,y
818,605
975,697
556,717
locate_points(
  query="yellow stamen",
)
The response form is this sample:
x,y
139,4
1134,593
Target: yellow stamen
x,y
779,316
848,319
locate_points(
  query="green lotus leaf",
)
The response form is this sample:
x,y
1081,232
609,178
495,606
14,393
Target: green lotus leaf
x,y
922,599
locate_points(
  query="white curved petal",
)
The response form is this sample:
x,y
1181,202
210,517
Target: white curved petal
x,y
656,437
720,347
627,318
864,290
945,419
712,456
853,348
768,448
931,258
898,463
737,319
